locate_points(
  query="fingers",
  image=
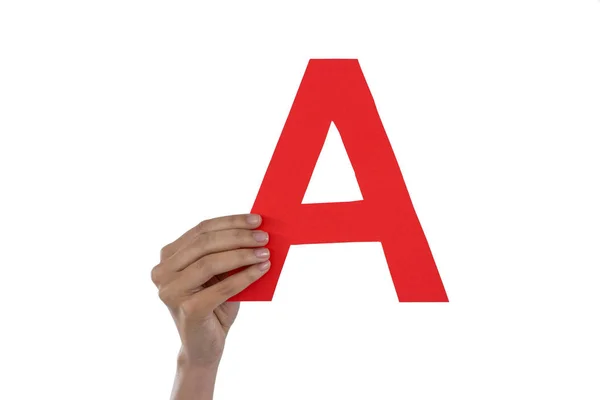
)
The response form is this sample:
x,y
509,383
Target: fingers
x,y
215,242
209,251
192,278
210,298
240,221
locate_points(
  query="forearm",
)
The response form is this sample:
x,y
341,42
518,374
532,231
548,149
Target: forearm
x,y
194,382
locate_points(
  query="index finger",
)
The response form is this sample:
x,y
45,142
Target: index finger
x,y
238,221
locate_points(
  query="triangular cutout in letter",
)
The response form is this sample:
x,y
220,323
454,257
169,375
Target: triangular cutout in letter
x,y
333,179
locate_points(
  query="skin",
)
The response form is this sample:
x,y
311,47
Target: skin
x,y
193,283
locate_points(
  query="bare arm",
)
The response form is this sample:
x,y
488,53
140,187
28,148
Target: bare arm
x,y
193,281
194,383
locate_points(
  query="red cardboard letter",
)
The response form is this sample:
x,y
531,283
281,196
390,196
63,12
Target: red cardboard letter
x,y
336,90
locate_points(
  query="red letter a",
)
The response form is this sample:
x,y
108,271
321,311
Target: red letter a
x,y
336,90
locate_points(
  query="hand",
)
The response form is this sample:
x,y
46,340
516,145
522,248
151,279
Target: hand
x,y
193,282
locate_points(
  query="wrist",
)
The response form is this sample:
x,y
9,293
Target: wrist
x,y
186,363
204,372
194,381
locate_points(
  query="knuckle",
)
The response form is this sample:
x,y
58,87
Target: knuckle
x,y
155,275
241,257
202,225
167,251
207,239
228,220
204,266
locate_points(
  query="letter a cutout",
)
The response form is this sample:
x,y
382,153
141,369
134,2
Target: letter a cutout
x,y
335,90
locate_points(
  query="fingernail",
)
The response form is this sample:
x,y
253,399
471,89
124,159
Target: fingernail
x,y
260,236
261,253
264,266
253,219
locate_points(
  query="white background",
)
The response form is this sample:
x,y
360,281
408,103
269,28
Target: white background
x,y
124,123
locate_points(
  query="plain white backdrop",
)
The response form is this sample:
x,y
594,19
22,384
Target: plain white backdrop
x,y
124,123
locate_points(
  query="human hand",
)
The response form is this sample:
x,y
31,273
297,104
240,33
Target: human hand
x,y
193,282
